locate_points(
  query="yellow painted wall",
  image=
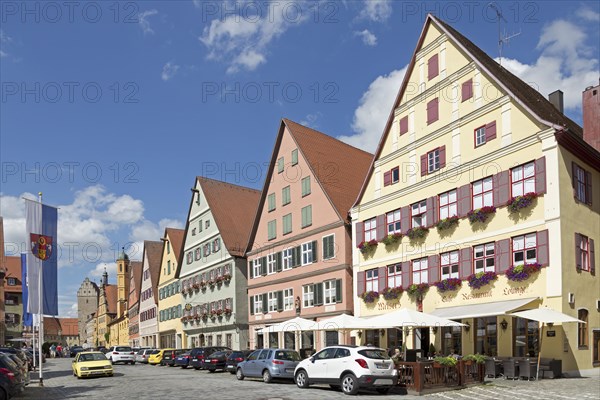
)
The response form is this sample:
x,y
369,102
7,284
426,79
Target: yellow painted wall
x,y
167,277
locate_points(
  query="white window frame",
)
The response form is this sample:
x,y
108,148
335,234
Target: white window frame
x,y
523,179
286,258
372,280
418,213
480,136
256,268
483,193
433,160
392,220
308,296
258,303
449,265
524,244
329,293
288,299
481,254
420,271
370,229
271,263
394,278
307,250
448,204
272,301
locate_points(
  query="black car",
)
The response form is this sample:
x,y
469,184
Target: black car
x,y
19,353
198,354
236,356
11,376
217,360
183,360
170,356
74,350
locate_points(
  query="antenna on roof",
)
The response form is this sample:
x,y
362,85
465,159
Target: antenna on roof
x,y
502,38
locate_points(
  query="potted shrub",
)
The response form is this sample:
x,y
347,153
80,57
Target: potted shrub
x,y
392,239
448,284
391,293
481,279
522,272
515,204
474,358
444,361
481,214
447,223
370,297
366,247
418,232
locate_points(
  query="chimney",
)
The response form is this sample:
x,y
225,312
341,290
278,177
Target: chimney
x,y
591,115
556,98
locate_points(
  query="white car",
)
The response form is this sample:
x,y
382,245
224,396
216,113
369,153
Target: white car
x,y
124,354
348,367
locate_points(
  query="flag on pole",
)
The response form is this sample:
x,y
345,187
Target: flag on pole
x,y
27,317
41,222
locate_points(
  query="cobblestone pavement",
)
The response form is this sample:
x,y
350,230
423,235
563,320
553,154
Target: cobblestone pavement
x,y
153,382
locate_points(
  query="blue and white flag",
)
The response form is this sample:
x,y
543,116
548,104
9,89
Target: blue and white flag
x,y
41,263
27,317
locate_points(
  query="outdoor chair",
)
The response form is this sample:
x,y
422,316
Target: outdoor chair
x,y
527,368
493,368
511,370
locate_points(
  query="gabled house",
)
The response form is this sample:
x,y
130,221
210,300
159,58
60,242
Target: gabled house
x,y
133,303
299,258
148,301
478,204
107,311
212,266
13,298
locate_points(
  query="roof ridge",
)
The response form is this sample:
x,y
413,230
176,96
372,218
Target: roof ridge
x,y
216,181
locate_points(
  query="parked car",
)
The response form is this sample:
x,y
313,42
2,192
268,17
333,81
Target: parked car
x,y
143,355
22,365
199,354
19,353
269,364
36,355
157,358
74,350
91,363
170,356
217,360
236,357
349,367
183,360
12,377
124,354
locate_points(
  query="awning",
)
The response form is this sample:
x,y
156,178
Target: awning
x,y
482,310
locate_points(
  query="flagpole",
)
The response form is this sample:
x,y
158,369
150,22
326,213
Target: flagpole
x,y
33,339
41,310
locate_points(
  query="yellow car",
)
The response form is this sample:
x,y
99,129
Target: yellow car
x,y
91,363
157,358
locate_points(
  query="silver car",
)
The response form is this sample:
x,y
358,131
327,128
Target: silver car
x,y
122,354
142,355
269,364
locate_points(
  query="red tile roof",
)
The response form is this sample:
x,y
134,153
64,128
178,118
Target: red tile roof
x,y
176,239
13,270
2,243
67,326
111,292
136,285
153,251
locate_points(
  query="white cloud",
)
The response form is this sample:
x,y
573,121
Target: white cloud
x,y
586,13
143,21
242,41
374,109
3,54
311,120
4,40
376,10
169,71
367,37
111,270
197,3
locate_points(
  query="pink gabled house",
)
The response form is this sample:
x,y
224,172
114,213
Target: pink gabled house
x,y
300,255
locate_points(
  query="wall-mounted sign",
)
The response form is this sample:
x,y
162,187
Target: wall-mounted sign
x,y
550,333
382,306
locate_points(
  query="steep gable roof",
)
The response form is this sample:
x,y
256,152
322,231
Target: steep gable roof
x,y
136,273
111,292
2,266
153,251
176,238
13,270
521,92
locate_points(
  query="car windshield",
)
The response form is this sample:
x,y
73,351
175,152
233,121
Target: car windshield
x,y
123,349
287,355
377,354
92,357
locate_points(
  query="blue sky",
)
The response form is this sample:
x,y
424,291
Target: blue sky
x,y
111,109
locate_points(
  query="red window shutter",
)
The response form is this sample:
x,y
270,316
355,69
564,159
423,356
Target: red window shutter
x,y
540,175
360,283
588,186
431,213
442,156
403,125
432,111
463,198
433,264
380,231
432,67
467,90
360,232
503,256
405,219
592,257
387,178
405,274
501,182
465,267
382,278
490,131
543,256
424,165
577,251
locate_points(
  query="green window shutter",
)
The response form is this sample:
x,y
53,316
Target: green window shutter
x,y
280,301
251,305
272,229
294,156
271,201
263,266
287,223
286,196
314,251
306,216
338,290
265,303
169,267
279,261
328,247
318,293
297,252
306,186
280,165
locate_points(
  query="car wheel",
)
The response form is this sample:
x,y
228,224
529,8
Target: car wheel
x,y
383,390
198,368
3,394
267,377
301,379
133,363
349,384
239,374
211,370
184,366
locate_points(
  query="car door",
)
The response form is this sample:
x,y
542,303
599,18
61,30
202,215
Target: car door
x,y
318,365
250,364
340,362
261,362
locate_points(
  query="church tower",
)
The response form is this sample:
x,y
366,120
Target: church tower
x,y
123,275
87,304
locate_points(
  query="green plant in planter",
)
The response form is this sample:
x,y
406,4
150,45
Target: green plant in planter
x,y
515,204
447,223
446,361
416,233
366,247
478,358
417,290
392,239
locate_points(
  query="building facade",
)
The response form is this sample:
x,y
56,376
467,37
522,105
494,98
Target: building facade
x,y
148,318
119,326
107,311
170,326
133,313
2,275
479,204
63,331
13,298
299,260
87,304
212,265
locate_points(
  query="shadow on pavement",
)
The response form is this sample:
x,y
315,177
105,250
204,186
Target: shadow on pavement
x,y
55,392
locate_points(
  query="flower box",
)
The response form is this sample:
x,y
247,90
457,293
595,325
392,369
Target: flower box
x,y
448,284
370,296
518,273
481,214
228,311
196,286
366,247
226,278
515,204
481,279
417,290
211,283
391,293
439,362
392,239
417,233
447,223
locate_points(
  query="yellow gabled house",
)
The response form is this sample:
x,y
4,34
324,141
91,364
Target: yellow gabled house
x,y
482,200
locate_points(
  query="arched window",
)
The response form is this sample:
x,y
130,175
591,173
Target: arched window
x,y
582,330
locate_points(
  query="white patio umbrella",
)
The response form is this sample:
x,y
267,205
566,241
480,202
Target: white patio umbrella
x,y
293,325
407,317
342,322
545,316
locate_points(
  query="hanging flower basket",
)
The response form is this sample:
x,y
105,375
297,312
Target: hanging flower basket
x,y
481,279
447,223
228,311
515,204
219,312
391,293
366,247
226,278
481,214
417,290
392,239
518,273
448,285
196,286
370,296
417,233
211,283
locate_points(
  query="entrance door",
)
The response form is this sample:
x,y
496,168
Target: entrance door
x,y
421,338
596,348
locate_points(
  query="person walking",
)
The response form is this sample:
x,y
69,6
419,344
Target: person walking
x,y
59,351
53,350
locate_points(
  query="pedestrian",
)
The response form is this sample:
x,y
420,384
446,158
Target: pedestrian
x,y
53,350
59,351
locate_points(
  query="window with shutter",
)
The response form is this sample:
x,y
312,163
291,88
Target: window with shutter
x,y
432,111
287,223
387,178
307,253
287,259
393,222
294,156
582,251
286,196
483,193
523,179
280,165
280,301
394,275
525,249
370,229
288,299
338,290
420,271
479,134
582,184
272,229
306,216
467,90
372,280
484,258
271,263
432,67
308,296
448,206
433,160
490,131
449,265
329,292
306,190
419,214
403,125
271,202
360,282
328,247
